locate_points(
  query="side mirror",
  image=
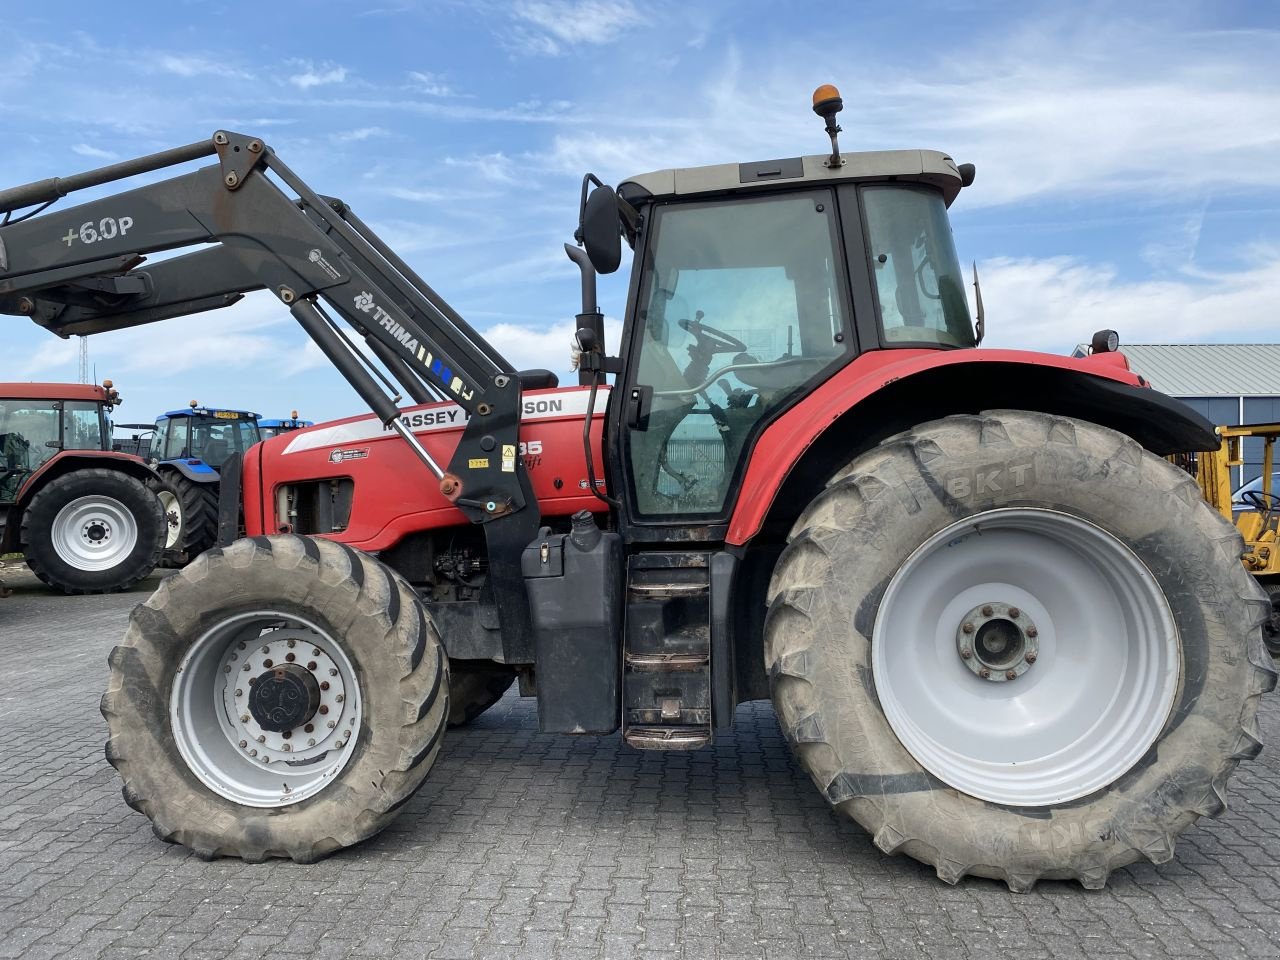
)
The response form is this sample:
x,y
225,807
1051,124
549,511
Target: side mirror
x,y
601,232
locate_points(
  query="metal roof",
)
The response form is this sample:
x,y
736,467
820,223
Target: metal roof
x,y
1207,369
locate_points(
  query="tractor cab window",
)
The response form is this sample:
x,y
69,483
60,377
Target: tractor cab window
x,y
82,426
739,307
29,436
918,282
172,439
216,438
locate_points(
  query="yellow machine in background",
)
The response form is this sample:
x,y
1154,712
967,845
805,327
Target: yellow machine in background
x,y
1256,515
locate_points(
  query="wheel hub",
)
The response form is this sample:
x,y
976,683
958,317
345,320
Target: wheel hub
x,y
96,531
997,641
284,698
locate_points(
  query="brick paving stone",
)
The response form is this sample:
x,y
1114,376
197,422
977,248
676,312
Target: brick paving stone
x,y
531,846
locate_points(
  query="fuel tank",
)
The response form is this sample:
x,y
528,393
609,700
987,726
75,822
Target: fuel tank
x,y
358,482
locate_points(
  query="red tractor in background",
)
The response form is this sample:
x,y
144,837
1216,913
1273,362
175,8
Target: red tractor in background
x,y
1000,631
81,515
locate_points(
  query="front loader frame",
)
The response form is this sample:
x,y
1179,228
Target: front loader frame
x,y
81,271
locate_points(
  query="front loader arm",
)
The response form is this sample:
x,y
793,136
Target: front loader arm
x,y
81,270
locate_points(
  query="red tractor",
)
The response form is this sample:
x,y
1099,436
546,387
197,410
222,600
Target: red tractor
x,y
81,515
1001,631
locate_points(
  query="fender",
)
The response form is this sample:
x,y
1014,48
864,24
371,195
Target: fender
x,y
197,471
69,460
885,392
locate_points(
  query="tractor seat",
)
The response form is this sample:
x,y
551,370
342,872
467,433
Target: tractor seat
x,y
537,379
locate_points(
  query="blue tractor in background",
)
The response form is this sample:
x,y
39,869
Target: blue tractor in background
x,y
187,451
273,428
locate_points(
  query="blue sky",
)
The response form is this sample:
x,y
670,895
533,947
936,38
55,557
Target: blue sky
x,y
1127,162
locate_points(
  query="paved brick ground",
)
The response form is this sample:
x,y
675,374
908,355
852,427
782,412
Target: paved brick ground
x,y
523,845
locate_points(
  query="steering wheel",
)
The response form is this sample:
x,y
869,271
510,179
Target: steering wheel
x,y
710,340
1262,502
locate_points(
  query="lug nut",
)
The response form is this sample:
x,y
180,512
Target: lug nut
x,y
1032,632
244,718
346,733
338,745
331,724
1014,612
339,698
253,753
324,708
227,668
315,651
287,734
1008,675
308,728
311,742
240,645
261,738
324,684
266,649
967,628
333,672
243,744
1031,658
984,673
292,644
311,665
290,657
266,759
267,662
986,611
239,692
246,670
288,748
966,653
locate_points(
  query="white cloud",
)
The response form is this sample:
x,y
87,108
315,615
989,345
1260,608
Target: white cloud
x,y
97,153
313,75
431,84
1053,304
552,26
363,133
199,67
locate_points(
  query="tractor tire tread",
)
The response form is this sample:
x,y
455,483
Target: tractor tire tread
x,y
797,621
364,808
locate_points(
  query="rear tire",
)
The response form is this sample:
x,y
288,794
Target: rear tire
x,y
171,508
1271,626
93,530
199,515
474,690
1123,531
185,728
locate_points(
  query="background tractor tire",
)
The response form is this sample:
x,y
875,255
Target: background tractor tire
x,y
1078,525
198,504
171,508
1271,626
266,614
473,690
93,530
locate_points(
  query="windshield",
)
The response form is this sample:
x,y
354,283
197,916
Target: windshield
x,y
215,438
739,306
917,275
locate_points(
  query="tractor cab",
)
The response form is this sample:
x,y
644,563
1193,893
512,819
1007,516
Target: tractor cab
x,y
754,283
273,428
206,434
38,420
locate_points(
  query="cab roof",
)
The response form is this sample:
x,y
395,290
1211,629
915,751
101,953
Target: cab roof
x,y
918,166
209,412
54,391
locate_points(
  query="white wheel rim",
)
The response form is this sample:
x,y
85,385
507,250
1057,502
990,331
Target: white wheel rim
x,y
1104,667
237,758
172,508
94,533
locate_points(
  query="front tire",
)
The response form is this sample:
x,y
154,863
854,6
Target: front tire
x,y
354,709
473,690
93,530
1124,661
